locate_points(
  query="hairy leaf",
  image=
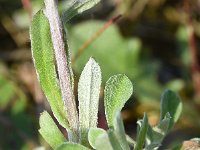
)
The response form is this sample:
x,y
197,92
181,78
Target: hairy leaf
x,y
88,96
43,56
93,136
163,126
113,140
71,146
98,139
50,131
170,102
142,133
130,140
117,91
77,7
156,134
120,132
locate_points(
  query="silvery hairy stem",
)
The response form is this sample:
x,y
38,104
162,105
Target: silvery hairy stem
x,y
51,11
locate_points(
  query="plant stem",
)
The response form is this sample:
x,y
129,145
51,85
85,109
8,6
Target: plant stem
x,y
51,11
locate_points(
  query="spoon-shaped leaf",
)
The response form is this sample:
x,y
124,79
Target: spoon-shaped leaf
x,y
43,57
49,130
88,96
170,103
117,91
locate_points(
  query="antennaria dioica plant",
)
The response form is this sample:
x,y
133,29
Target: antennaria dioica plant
x,y
53,65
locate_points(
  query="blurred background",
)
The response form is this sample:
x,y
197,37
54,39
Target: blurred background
x,y
156,43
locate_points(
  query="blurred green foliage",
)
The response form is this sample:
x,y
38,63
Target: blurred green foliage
x,y
153,52
116,55
16,125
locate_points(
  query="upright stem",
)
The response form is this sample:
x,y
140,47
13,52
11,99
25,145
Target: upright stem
x,y
51,11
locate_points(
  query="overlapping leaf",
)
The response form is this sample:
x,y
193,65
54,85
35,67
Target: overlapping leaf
x,y
43,56
113,140
141,137
120,132
76,7
156,134
88,96
170,103
96,137
117,91
49,130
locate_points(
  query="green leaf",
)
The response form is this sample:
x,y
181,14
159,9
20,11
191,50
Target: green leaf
x,y
43,57
71,146
98,139
117,91
49,130
142,133
113,140
7,91
170,102
125,52
130,140
77,7
156,134
93,135
163,126
11,96
120,132
88,96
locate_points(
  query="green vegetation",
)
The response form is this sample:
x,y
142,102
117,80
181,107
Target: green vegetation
x,y
50,52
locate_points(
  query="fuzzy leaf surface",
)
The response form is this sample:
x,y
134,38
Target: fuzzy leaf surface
x,y
120,132
77,7
114,140
49,130
170,103
156,134
142,134
88,96
43,58
93,136
117,91
98,139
